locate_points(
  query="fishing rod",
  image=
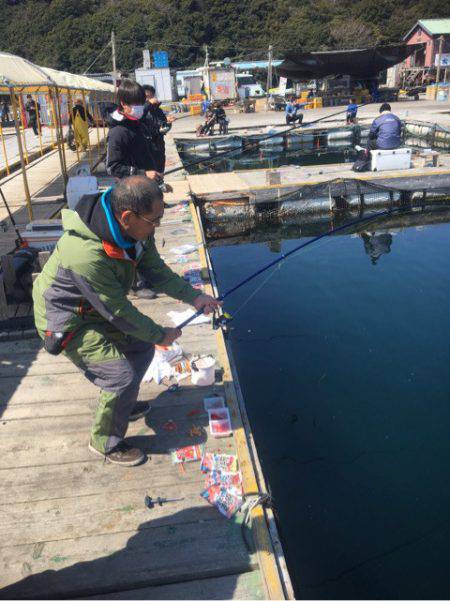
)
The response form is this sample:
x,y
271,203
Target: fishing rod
x,y
19,237
284,256
253,145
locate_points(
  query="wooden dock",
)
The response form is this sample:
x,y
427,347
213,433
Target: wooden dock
x,y
74,526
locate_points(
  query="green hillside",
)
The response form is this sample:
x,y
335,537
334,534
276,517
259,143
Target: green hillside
x,y
69,34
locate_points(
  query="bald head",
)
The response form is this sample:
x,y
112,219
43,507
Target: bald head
x,y
136,193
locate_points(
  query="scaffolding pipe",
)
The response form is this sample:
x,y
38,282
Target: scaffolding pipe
x,y
21,112
58,140
4,150
61,133
70,109
22,159
87,122
38,116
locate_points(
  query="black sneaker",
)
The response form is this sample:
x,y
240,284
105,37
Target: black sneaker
x,y
121,454
139,410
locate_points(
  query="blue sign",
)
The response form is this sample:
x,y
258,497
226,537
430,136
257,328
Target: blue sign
x,y
160,59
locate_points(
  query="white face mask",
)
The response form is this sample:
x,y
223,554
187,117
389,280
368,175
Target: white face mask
x,y
137,110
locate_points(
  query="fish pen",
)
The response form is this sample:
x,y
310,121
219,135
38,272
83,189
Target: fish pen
x,y
338,338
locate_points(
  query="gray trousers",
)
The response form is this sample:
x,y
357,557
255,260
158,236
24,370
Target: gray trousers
x,y
116,364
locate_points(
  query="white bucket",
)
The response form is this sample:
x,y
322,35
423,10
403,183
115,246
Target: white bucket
x,y
203,371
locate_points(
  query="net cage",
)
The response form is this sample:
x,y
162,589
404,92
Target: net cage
x,y
337,199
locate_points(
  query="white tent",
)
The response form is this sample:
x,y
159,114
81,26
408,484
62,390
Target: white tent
x,y
17,72
63,79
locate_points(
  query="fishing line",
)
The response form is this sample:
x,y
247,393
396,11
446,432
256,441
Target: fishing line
x,y
266,280
298,248
254,144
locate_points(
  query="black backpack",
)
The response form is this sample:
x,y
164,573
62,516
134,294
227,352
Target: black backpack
x,y
362,162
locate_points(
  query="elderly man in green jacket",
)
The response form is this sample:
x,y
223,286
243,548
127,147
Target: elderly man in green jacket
x,y
81,306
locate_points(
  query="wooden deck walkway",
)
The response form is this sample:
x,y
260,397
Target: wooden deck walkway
x,y
73,526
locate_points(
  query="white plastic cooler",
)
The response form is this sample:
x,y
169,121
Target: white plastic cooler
x,y
387,160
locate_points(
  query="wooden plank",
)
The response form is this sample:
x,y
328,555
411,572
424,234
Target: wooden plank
x,y
40,441
125,560
51,387
102,513
237,586
80,479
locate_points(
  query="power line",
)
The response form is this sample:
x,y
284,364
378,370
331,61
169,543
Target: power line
x,y
97,57
178,45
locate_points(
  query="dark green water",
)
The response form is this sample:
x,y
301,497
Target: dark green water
x,y
343,358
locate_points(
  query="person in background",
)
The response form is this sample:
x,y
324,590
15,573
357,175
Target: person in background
x,y
207,129
129,150
32,107
221,118
352,111
158,125
81,307
292,111
79,119
205,106
386,130
5,112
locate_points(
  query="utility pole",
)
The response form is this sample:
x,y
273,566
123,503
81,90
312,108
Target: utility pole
x,y
438,72
207,82
113,56
269,74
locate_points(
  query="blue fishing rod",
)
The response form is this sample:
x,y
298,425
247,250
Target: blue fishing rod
x,y
284,256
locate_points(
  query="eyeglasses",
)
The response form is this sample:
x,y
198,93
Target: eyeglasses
x,y
153,222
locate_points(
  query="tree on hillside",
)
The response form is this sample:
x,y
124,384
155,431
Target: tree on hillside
x,y
352,34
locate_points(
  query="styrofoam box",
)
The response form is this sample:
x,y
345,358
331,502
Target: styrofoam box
x,y
78,186
387,160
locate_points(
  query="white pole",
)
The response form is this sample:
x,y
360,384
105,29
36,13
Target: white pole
x,y
113,56
269,74
438,72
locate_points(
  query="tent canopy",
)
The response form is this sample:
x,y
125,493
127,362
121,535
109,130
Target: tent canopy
x,y
365,63
17,72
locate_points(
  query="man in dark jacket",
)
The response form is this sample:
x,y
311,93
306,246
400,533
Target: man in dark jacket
x,y
81,306
386,130
129,151
32,107
157,126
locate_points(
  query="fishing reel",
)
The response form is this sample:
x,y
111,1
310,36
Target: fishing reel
x,y
222,321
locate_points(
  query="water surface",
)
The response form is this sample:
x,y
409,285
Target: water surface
x,y
343,357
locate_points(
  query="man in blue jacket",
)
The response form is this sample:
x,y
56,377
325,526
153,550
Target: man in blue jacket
x,y
292,112
386,130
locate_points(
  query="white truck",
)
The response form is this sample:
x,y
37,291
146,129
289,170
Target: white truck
x,y
248,87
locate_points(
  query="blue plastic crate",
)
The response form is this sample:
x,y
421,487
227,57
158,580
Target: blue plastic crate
x,y
160,59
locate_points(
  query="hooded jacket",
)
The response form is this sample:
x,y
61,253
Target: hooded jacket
x,y
155,120
129,149
88,276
